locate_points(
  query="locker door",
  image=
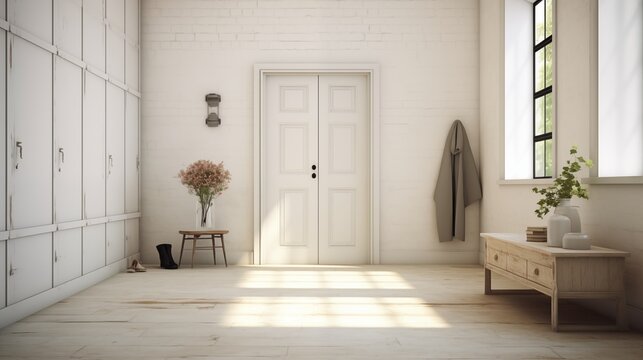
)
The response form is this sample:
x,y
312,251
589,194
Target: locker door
x,y
94,33
3,278
30,121
33,16
93,248
67,255
68,197
131,67
94,146
115,55
30,264
68,26
115,13
115,150
131,20
3,135
115,241
131,237
3,9
131,155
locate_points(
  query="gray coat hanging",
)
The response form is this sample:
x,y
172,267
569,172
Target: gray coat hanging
x,y
458,184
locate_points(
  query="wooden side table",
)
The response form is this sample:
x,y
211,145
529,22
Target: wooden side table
x,y
195,235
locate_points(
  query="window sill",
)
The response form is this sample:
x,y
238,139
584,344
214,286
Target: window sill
x,y
614,180
526,182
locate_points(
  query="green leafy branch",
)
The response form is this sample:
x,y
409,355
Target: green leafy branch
x,y
565,185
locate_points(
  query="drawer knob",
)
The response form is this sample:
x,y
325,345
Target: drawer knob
x,y
495,257
536,271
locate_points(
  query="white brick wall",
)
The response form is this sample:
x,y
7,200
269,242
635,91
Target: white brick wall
x,y
428,53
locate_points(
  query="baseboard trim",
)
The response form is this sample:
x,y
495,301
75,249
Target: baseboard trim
x,y
24,308
429,257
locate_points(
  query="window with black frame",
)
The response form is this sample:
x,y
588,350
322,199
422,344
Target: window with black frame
x,y
543,88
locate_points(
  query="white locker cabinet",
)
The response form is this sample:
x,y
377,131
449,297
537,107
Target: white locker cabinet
x,y
30,134
131,20
94,147
115,56
132,167
68,255
94,34
115,13
68,197
115,150
68,26
3,278
29,267
3,135
33,16
93,248
115,241
131,237
131,66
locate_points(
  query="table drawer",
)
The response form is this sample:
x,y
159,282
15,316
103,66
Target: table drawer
x,y
517,265
541,274
496,257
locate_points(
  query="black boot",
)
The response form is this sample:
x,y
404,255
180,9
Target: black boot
x,y
172,264
166,256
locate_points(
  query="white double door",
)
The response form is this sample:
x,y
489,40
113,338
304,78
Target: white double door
x,y
316,170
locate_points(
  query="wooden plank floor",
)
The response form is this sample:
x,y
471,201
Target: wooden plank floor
x,y
316,312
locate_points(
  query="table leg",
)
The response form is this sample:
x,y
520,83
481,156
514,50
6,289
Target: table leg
x,y
182,245
214,250
554,311
487,281
193,249
225,259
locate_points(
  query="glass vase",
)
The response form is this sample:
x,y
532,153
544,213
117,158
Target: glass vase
x,y
204,221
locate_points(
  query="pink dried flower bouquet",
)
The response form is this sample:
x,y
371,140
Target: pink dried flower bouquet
x,y
206,180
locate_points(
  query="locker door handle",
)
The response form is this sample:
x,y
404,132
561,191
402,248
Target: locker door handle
x,y
110,162
55,256
138,162
19,149
61,158
12,270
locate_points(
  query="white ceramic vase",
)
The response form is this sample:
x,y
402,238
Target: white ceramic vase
x,y
207,221
557,227
566,209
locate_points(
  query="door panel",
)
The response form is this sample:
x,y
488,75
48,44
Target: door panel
x,y
93,248
30,119
68,26
115,241
68,96
68,255
115,56
115,150
131,155
33,16
94,34
3,134
131,67
131,20
94,146
30,266
344,186
289,206
131,237
115,11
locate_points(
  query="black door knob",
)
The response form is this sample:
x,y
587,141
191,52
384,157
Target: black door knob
x,y
314,167
314,175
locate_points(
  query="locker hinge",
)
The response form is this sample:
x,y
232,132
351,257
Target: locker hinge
x,y
55,256
138,162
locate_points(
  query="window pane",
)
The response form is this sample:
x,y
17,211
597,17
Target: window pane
x,y
539,117
539,17
539,159
549,111
549,158
539,72
549,22
549,64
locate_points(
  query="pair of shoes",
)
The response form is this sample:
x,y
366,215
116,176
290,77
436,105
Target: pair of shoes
x,y
136,266
165,255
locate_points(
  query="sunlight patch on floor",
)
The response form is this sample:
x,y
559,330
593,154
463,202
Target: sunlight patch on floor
x,y
310,279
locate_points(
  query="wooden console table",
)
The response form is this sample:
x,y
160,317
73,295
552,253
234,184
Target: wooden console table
x,y
558,273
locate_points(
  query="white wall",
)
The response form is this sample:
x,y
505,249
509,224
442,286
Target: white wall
x,y
612,215
428,52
